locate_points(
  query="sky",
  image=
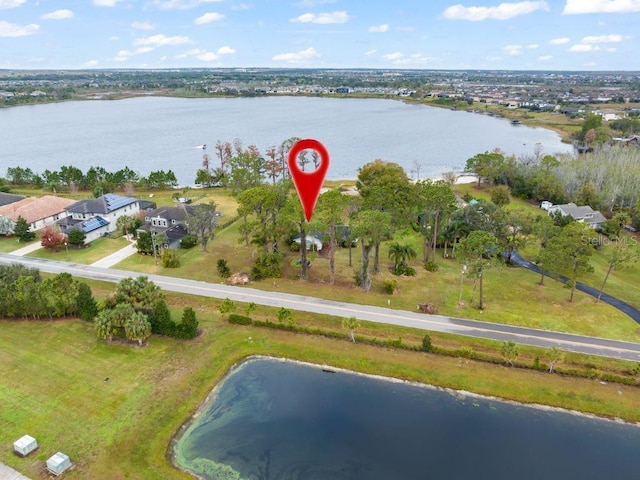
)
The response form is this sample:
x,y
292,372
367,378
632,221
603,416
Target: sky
x,y
429,34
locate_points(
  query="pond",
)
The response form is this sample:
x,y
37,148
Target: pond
x,y
279,420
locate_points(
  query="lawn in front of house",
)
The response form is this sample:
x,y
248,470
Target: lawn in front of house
x,y
94,251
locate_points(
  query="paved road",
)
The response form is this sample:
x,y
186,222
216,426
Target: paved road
x,y
528,336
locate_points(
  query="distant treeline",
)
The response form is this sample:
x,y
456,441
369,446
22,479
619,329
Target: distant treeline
x,y
71,179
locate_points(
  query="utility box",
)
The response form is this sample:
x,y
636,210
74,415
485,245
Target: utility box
x,y
25,445
58,463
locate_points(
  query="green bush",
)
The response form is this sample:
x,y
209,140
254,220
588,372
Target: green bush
x,y
426,344
223,269
430,266
188,241
188,327
389,286
404,269
239,319
266,265
170,258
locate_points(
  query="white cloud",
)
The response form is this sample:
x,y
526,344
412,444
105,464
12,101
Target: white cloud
x,y
573,7
143,26
323,18
11,3
533,46
58,15
180,4
241,6
206,56
398,58
512,50
226,50
368,53
580,48
124,55
161,40
297,57
559,41
105,3
113,38
209,18
602,39
90,64
393,56
545,58
504,11
13,30
379,28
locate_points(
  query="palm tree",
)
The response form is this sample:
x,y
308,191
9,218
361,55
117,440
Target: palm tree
x,y
104,326
400,254
137,327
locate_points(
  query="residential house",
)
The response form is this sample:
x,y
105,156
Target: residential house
x,y
168,220
108,207
93,228
38,212
585,214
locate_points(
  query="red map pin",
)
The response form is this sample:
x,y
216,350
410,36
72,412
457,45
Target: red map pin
x,y
308,184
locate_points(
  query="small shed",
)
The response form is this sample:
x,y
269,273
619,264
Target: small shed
x,y
58,463
25,445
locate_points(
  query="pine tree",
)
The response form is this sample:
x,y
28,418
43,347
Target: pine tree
x,y
86,304
23,231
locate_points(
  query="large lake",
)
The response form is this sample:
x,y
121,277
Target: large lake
x,y
154,133
274,420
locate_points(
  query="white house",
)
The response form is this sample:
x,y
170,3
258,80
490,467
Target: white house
x,y
585,213
108,207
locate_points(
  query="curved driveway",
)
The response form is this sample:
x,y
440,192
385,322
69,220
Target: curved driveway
x,y
472,328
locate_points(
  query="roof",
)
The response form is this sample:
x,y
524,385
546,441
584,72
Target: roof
x,y
178,213
7,198
584,213
87,226
103,205
33,209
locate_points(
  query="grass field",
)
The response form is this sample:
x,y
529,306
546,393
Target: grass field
x,y
96,250
54,376
10,244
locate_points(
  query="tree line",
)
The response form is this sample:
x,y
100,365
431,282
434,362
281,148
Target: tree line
x,y
96,179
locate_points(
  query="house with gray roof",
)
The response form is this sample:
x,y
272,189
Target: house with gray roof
x,y
584,213
108,207
168,220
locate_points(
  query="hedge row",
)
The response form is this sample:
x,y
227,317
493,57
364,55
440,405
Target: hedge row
x,y
457,353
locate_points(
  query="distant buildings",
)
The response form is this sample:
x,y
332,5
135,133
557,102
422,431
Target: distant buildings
x,y
584,214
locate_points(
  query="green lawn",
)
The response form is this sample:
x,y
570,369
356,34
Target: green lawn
x,y
96,250
55,388
10,244
512,295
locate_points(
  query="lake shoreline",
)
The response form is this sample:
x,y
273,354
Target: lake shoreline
x,y
173,455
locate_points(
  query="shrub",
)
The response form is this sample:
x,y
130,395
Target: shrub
x,y
160,319
170,258
239,319
188,328
77,236
266,265
430,266
467,197
285,315
228,306
188,241
357,278
426,344
404,269
389,286
223,269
